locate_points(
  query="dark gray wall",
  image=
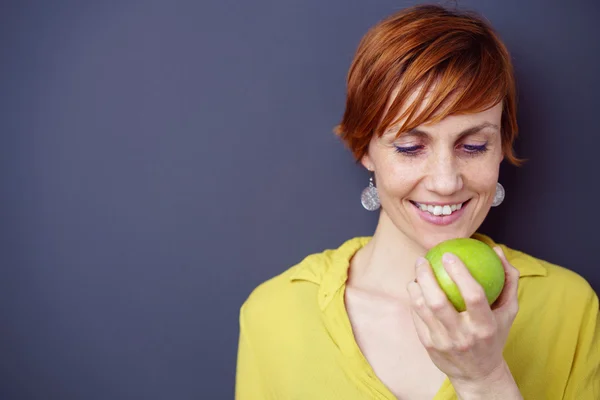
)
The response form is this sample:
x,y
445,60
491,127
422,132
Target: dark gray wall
x,y
159,159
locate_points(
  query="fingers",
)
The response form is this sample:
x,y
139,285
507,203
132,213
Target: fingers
x,y
472,293
417,309
420,306
508,299
430,330
434,296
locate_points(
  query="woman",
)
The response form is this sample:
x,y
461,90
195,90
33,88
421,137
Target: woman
x,y
431,113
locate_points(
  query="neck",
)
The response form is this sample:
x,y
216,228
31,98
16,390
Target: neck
x,y
386,264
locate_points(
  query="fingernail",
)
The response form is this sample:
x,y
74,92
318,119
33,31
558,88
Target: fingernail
x,y
499,251
421,261
449,258
419,265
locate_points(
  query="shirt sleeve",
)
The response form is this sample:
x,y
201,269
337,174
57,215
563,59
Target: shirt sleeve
x,y
247,382
584,379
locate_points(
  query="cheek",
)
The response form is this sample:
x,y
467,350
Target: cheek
x,y
394,180
398,178
482,178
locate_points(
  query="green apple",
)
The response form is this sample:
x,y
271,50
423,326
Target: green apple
x,y
480,259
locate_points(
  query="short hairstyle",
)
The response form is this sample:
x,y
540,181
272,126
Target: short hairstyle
x,y
455,57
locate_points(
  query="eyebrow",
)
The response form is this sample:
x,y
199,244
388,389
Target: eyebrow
x,y
468,131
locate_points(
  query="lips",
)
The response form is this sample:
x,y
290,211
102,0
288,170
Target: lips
x,y
440,219
439,209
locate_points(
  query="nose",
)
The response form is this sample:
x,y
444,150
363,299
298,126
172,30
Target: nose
x,y
444,175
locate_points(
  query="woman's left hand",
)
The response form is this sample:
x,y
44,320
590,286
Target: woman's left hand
x,y
466,346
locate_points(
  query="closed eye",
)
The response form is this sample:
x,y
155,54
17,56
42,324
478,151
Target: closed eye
x,y
470,149
409,151
473,149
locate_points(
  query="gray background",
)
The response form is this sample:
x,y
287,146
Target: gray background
x,y
159,159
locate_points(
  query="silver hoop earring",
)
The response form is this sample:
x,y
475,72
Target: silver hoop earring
x,y
499,195
369,197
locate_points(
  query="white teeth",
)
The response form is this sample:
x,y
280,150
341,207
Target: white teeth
x,y
439,210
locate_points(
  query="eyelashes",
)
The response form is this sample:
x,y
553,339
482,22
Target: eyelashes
x,y
409,151
475,149
469,149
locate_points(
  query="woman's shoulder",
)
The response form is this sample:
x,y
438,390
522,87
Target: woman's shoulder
x,y
555,333
311,268
295,289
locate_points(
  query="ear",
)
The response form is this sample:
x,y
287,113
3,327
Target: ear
x,y
367,162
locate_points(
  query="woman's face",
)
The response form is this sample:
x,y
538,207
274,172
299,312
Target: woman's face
x,y
438,181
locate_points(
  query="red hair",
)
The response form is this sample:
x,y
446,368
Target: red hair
x,y
455,57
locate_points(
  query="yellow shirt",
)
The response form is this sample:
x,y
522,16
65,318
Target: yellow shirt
x,y
296,341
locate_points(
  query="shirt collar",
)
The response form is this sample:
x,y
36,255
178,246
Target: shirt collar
x,y
329,269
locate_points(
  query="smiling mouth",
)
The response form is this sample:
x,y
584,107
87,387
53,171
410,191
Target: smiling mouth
x,y
439,210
